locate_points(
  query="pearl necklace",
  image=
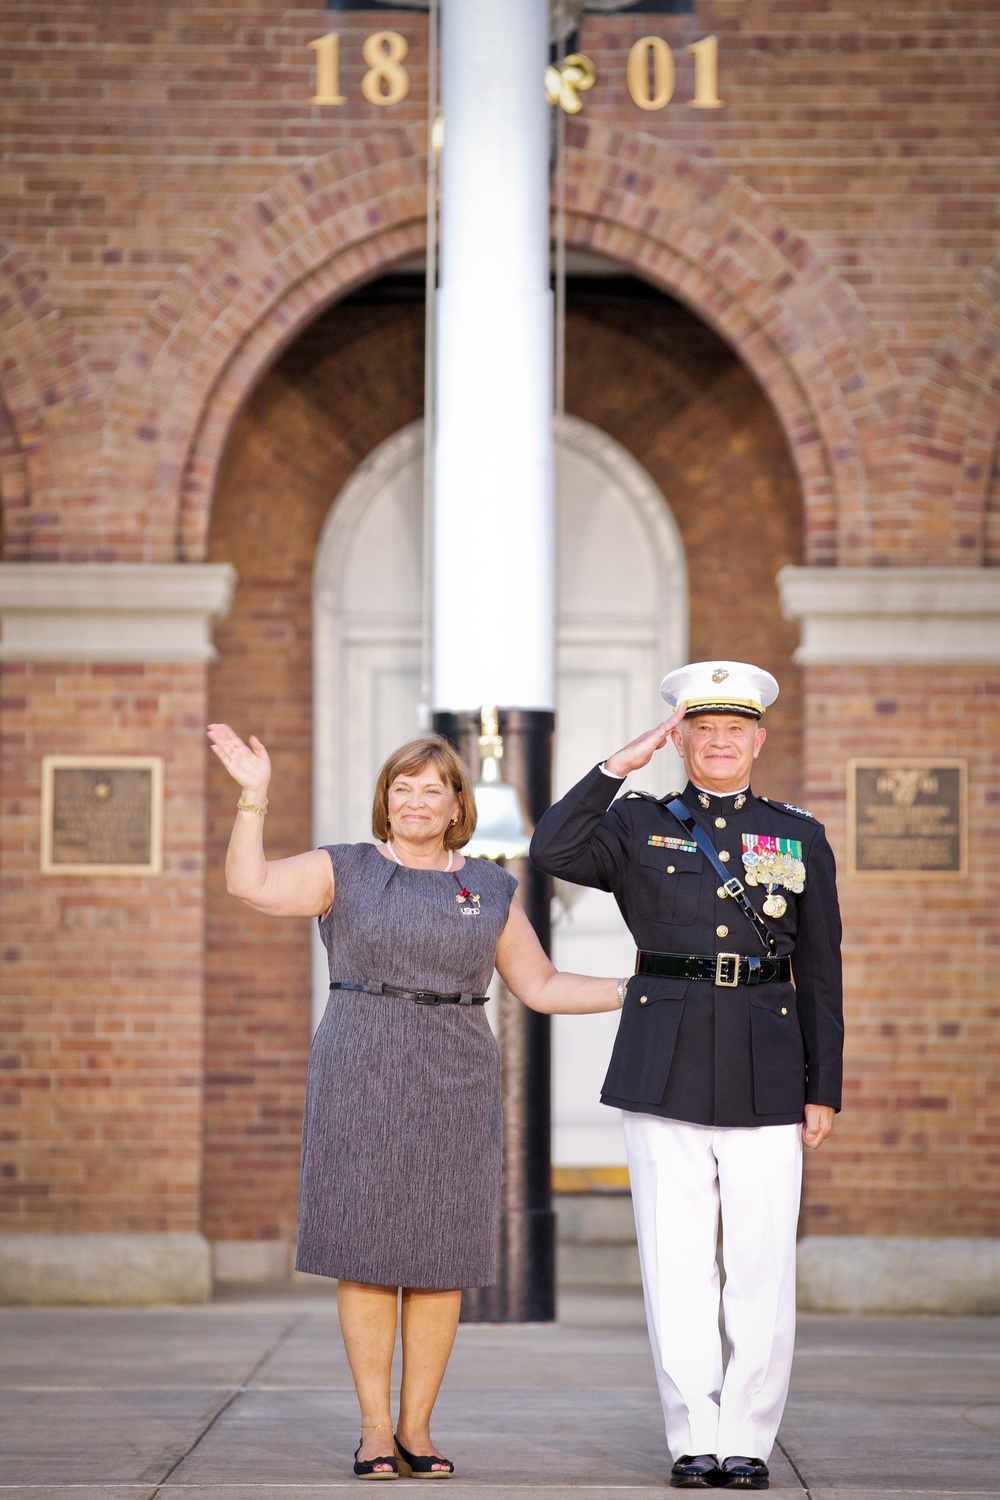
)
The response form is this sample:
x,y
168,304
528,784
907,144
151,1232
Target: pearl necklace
x,y
451,858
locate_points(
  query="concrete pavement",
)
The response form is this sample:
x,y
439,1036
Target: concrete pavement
x,y
251,1396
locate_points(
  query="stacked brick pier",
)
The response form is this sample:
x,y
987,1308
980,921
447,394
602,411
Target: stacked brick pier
x,y
188,376
103,1054
902,1214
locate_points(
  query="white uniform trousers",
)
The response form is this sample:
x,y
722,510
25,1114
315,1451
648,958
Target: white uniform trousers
x,y
681,1176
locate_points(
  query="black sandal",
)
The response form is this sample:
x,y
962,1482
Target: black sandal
x,y
420,1465
367,1467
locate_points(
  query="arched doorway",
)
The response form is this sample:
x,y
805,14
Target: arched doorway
x,y
642,369
622,592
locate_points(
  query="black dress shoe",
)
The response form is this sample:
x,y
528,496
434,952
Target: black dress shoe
x,y
699,1473
744,1474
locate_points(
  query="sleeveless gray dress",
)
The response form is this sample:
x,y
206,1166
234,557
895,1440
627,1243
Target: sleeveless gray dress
x,y
402,1132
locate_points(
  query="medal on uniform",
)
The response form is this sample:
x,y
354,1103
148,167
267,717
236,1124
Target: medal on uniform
x,y
774,906
773,862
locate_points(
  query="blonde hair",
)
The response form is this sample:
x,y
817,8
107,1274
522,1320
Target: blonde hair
x,y
429,750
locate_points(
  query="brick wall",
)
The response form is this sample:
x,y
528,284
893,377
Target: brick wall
x,y
129,139
101,977
843,202
870,126
175,213
918,1146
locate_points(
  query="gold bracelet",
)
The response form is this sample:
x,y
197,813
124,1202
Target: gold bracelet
x,y
254,807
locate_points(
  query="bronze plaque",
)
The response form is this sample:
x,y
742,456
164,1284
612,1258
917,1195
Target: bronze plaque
x,y
906,817
102,815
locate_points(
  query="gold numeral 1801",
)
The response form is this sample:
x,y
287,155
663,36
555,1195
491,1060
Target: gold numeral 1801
x,y
649,73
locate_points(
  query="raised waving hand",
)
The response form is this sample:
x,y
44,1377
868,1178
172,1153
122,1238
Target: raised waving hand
x,y
248,764
298,887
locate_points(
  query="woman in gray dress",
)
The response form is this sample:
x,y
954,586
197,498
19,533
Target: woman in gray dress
x,y
402,1131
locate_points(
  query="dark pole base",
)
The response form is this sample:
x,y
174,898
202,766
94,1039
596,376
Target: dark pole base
x,y
525,1287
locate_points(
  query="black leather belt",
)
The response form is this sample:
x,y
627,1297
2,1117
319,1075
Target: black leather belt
x,y
421,997
726,969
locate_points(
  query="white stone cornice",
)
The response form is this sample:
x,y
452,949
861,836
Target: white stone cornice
x,y
905,615
112,611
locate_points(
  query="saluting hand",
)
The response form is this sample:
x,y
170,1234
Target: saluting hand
x,y
250,765
640,752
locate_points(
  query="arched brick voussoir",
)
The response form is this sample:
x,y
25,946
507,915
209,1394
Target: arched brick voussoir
x,y
740,264
707,297
258,353
231,310
954,427
51,414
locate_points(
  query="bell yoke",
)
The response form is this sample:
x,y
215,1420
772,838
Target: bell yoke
x,y
722,1065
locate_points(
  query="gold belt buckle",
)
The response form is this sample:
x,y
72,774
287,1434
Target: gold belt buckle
x,y
725,964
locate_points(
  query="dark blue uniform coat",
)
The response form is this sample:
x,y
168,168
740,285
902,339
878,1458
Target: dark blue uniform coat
x,y
692,1050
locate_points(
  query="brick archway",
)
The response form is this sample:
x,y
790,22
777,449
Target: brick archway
x,y
324,228
955,426
45,398
330,225
740,265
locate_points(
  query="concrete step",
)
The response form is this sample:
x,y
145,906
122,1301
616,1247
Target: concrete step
x,y
595,1237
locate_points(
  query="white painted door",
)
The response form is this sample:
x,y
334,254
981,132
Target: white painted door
x,y
622,624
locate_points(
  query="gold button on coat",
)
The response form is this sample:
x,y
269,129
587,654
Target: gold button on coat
x,y
720,822
722,932
724,856
722,893
784,1010
643,999
670,869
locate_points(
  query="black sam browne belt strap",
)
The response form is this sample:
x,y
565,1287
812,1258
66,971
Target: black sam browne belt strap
x,y
733,887
421,997
726,969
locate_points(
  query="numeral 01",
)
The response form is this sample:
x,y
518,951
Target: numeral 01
x,y
650,73
386,81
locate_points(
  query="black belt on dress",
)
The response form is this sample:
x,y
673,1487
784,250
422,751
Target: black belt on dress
x,y
422,997
726,969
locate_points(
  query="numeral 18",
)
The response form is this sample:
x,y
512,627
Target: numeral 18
x,y
386,81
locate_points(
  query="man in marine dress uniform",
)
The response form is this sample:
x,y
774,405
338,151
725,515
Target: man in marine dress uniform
x,y
722,1065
